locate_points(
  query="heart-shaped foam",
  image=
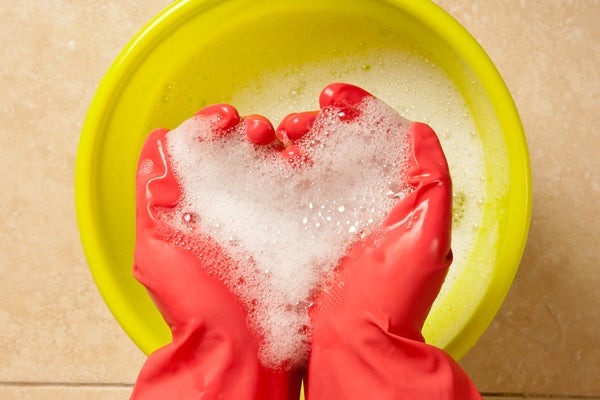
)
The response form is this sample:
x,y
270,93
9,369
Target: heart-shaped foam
x,y
285,225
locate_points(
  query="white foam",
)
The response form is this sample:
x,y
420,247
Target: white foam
x,y
420,90
285,225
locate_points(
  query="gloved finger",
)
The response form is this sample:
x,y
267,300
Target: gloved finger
x,y
259,130
416,243
225,115
430,203
294,126
343,96
156,186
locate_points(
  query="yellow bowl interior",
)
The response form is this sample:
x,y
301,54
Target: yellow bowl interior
x,y
197,52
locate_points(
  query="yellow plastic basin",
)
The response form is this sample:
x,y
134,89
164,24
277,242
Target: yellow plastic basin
x,y
203,43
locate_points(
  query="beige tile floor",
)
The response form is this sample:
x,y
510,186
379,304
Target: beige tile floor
x,y
59,340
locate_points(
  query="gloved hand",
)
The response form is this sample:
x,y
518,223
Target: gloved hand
x,y
213,353
366,333
366,340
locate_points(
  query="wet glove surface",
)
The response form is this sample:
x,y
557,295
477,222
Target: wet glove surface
x,y
213,353
367,341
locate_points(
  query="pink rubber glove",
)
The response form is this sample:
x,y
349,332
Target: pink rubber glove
x,y
366,339
213,354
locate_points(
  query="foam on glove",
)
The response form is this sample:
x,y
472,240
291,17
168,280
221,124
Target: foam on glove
x,y
286,222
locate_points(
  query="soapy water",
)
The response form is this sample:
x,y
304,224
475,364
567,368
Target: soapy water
x,y
415,86
285,225
418,89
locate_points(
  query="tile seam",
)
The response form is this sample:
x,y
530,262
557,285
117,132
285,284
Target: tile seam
x,y
66,384
523,395
526,395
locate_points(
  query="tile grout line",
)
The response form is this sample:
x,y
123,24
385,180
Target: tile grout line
x,y
524,395
65,384
130,385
